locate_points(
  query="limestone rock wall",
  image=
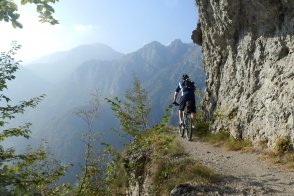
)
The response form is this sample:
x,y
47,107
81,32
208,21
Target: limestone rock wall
x,y
248,58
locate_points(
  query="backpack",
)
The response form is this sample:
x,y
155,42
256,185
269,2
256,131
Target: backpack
x,y
189,85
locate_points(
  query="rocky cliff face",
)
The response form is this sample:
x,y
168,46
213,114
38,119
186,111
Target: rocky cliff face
x,y
248,58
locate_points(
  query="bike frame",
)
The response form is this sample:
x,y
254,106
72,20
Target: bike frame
x,y
187,121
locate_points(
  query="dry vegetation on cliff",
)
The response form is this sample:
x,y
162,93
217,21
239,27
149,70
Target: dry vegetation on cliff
x,y
155,163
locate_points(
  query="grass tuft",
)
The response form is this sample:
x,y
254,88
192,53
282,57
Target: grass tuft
x,y
262,144
289,160
282,153
283,145
286,159
183,171
165,144
221,138
216,138
238,144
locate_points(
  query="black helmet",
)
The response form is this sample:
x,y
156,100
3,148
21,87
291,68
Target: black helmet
x,y
185,76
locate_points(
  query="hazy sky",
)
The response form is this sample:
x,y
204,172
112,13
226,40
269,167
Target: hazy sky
x,y
124,25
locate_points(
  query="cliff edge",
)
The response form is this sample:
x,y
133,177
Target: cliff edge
x,y
249,63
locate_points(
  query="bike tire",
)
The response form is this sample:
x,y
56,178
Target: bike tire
x,y
181,131
188,127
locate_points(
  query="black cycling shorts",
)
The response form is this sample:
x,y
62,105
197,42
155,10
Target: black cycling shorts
x,y
183,102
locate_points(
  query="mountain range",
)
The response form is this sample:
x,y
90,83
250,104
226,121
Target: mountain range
x,y
68,78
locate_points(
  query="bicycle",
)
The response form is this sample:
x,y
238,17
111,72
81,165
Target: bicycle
x,y
186,127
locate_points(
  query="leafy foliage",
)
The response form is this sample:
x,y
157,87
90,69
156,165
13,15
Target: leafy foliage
x,y
133,111
35,170
105,169
165,118
100,164
132,114
91,180
8,11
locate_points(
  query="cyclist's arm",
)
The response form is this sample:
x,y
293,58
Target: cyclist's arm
x,y
175,96
176,93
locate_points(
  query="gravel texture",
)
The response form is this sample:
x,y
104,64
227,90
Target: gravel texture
x,y
244,173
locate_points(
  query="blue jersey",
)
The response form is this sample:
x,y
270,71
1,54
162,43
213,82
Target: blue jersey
x,y
184,89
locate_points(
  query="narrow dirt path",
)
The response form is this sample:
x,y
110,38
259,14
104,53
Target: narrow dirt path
x,y
244,173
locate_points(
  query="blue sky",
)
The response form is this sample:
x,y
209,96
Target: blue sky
x,y
123,25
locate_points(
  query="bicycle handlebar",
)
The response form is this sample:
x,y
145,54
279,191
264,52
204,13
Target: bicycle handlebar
x,y
176,103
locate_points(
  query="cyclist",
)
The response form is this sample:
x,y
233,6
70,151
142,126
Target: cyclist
x,y
187,88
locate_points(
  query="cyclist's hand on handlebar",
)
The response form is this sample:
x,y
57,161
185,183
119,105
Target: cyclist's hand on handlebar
x,y
175,103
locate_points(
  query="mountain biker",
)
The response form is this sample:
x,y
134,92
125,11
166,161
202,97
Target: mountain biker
x,y
187,88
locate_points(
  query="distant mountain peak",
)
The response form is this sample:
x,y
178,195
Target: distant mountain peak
x,y
177,47
57,66
153,44
97,46
95,49
176,42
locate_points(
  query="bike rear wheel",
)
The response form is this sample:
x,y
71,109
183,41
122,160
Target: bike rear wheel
x,y
188,127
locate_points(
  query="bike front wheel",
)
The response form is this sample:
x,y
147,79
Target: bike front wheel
x,y
188,127
181,131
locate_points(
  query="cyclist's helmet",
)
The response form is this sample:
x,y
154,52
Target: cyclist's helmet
x,y
185,77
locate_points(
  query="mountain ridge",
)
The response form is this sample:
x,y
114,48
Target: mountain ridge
x,y
56,56
58,66
54,119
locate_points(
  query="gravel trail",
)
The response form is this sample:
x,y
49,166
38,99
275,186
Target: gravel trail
x,y
244,173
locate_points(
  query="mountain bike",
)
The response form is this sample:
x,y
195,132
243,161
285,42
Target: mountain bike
x,y
186,127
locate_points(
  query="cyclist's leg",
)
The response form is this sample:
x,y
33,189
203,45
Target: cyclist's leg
x,y
193,117
193,109
180,116
181,108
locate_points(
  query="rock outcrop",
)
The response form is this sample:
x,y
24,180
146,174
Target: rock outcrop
x,y
139,180
248,58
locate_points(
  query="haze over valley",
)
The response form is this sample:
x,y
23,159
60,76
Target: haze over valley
x,y
68,79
